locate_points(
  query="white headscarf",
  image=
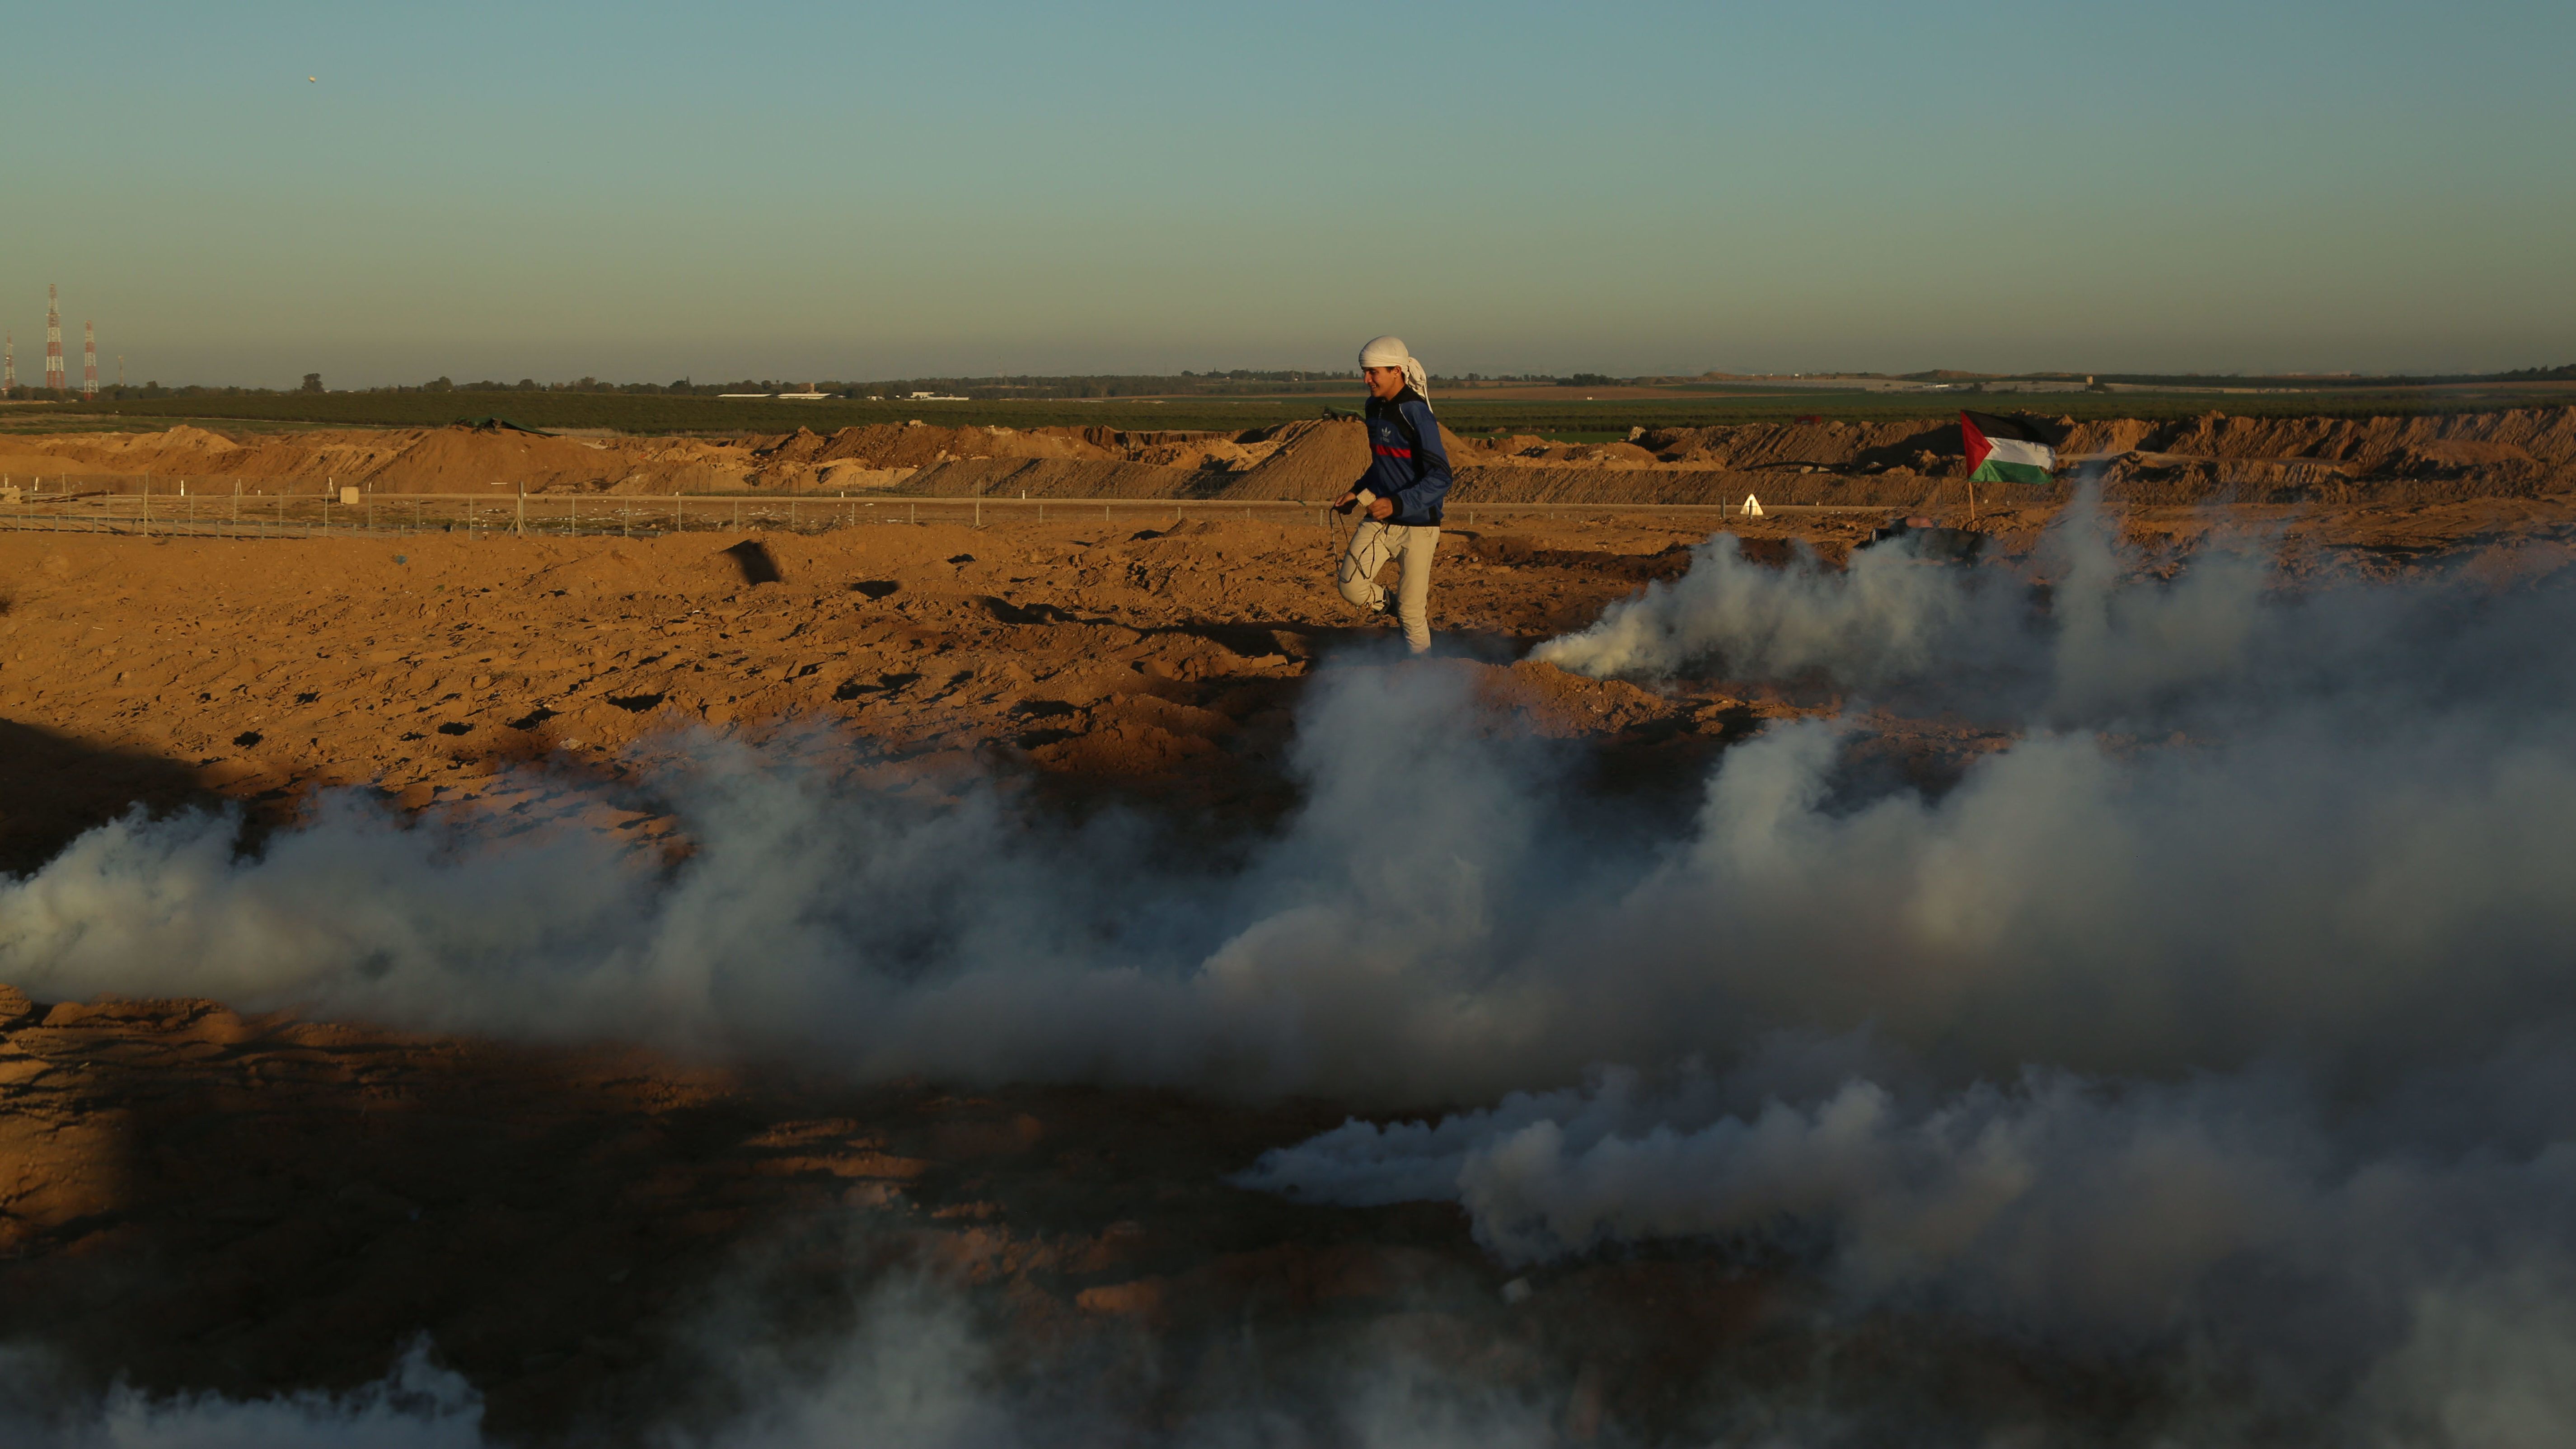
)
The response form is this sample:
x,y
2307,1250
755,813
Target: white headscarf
x,y
1391,352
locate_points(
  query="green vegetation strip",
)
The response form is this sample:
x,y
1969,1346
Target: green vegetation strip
x,y
648,414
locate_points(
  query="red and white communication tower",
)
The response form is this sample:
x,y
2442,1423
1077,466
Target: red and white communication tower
x,y
53,340
89,360
9,363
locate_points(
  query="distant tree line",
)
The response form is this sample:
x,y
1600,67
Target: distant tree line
x,y
2345,379
1241,381
1234,382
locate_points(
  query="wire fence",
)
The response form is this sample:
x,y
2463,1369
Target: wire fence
x,y
71,504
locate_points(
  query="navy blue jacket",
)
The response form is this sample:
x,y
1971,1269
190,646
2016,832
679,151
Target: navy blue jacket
x,y
1406,461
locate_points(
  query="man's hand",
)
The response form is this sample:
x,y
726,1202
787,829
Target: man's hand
x,y
1382,509
1343,503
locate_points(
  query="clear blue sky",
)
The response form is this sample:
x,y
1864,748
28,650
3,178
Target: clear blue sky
x,y
643,191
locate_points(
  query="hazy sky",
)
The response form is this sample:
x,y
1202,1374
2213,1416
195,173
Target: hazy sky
x,y
643,191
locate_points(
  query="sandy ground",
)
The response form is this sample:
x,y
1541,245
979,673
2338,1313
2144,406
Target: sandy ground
x,y
197,1198
439,669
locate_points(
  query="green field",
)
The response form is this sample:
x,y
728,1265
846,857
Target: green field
x,y
630,413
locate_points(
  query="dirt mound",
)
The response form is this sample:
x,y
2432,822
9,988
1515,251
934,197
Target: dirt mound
x,y
907,446
681,465
1539,452
2211,458
2110,435
1835,444
2370,445
2170,479
1217,452
192,445
190,452
1050,478
858,477
20,465
464,459
801,446
1312,461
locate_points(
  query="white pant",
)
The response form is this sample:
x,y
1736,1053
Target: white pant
x,y
1372,544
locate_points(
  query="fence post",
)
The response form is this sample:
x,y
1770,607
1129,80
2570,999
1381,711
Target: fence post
x,y
521,527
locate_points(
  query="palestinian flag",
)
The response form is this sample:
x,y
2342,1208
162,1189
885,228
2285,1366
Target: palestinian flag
x,y
2006,450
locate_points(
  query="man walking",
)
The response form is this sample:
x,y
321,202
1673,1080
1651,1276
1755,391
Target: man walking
x,y
1399,496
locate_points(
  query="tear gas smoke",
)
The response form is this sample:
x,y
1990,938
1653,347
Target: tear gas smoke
x,y
2223,1015
2363,870
914,1366
2235,1215
417,1405
2093,633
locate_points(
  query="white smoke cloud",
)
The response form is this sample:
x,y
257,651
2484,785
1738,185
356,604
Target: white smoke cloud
x,y
2054,1200
2229,1006
1420,932
2359,871
417,1405
913,1369
2089,633
2409,1291
1889,616
890,935
2484,1364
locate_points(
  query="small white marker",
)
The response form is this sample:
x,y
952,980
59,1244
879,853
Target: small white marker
x,y
1752,507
